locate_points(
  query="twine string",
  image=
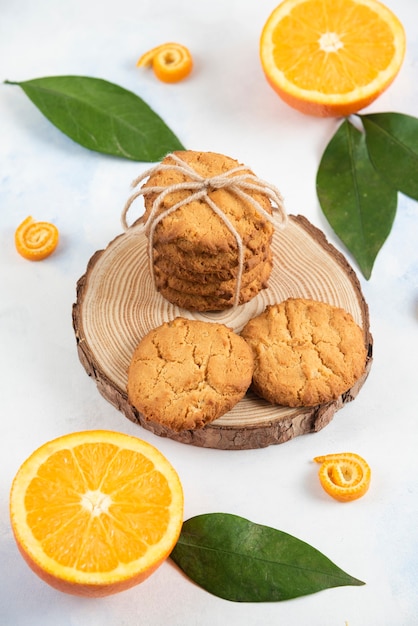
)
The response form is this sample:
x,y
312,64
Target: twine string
x,y
199,188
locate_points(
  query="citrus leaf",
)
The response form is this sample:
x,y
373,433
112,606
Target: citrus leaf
x,y
102,116
239,560
356,199
392,143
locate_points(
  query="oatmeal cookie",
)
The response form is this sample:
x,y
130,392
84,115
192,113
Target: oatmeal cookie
x,y
195,227
305,352
224,289
193,302
205,268
187,373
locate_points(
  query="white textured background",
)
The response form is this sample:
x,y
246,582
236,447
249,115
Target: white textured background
x,y
225,106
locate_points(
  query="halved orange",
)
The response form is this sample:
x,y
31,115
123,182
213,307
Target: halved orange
x,y
331,57
96,512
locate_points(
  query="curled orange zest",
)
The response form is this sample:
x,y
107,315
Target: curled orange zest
x,y
344,476
171,62
36,240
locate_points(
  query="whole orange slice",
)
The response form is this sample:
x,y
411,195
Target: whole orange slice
x,y
331,57
96,512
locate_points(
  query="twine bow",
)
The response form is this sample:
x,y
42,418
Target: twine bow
x,y
200,188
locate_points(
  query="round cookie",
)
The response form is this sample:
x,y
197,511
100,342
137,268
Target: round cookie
x,y
305,352
195,227
223,289
186,373
193,302
205,268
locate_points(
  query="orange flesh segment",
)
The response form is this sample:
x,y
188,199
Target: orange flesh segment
x,y
337,48
94,509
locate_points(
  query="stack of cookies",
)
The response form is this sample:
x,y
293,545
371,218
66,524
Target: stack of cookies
x,y
213,251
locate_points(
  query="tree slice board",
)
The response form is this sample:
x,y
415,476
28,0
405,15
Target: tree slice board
x,y
117,304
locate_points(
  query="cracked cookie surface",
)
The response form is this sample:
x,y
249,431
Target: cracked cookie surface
x,y
186,373
305,352
195,227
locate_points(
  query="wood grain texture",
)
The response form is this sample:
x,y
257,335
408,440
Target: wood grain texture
x,y
117,304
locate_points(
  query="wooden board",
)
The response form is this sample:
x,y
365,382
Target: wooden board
x,y
117,304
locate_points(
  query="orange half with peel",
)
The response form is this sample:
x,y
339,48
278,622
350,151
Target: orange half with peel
x,y
331,57
96,512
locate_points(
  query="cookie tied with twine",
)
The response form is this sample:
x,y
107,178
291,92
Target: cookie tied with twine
x,y
209,222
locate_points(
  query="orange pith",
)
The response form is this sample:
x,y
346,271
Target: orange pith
x,y
96,512
171,62
36,240
345,476
331,57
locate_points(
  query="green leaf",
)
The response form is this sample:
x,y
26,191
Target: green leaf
x,y
238,560
102,116
392,142
356,199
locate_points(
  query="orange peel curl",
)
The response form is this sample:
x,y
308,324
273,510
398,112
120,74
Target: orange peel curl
x,y
171,62
344,476
36,240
